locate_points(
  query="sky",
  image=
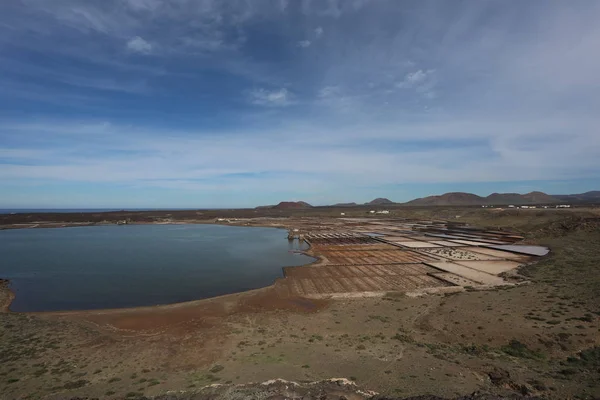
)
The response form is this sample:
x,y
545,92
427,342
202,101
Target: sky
x,y
227,103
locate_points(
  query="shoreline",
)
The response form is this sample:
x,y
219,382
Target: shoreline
x,y
56,225
6,296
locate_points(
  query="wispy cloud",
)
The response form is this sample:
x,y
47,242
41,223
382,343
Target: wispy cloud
x,y
304,43
273,98
139,45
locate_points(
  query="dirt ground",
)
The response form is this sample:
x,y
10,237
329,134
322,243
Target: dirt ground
x,y
542,338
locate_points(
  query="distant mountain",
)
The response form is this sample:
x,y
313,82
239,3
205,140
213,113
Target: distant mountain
x,y
587,197
470,199
379,202
505,198
516,198
539,198
286,205
345,205
449,199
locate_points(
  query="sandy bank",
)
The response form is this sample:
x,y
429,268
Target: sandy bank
x,y
6,295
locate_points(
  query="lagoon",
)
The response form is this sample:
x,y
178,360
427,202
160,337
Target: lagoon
x,y
98,267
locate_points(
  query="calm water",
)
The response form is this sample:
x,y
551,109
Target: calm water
x,y
139,265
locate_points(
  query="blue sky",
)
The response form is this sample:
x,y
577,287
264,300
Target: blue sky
x,y
213,103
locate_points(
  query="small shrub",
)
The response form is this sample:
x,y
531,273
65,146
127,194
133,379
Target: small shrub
x,y
75,384
212,378
568,371
115,379
518,349
379,318
216,368
587,358
403,338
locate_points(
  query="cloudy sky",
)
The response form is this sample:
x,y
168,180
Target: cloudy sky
x,y
216,103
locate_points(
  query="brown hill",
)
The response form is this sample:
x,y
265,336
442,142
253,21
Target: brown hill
x,y
379,201
469,199
449,199
505,198
539,198
516,198
587,197
287,205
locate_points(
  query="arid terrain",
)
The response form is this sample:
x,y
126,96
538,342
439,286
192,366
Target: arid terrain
x,y
538,335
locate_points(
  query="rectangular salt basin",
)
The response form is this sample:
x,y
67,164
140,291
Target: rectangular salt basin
x,y
491,267
468,242
529,250
497,253
446,243
418,245
466,272
397,239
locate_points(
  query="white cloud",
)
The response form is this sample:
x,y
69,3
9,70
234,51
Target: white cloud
x,y
274,98
415,78
329,91
319,31
139,45
304,43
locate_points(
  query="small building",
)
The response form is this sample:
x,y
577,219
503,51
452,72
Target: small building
x,y
342,213
511,206
372,211
383,212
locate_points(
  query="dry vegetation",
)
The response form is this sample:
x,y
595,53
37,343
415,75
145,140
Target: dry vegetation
x,y
539,339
